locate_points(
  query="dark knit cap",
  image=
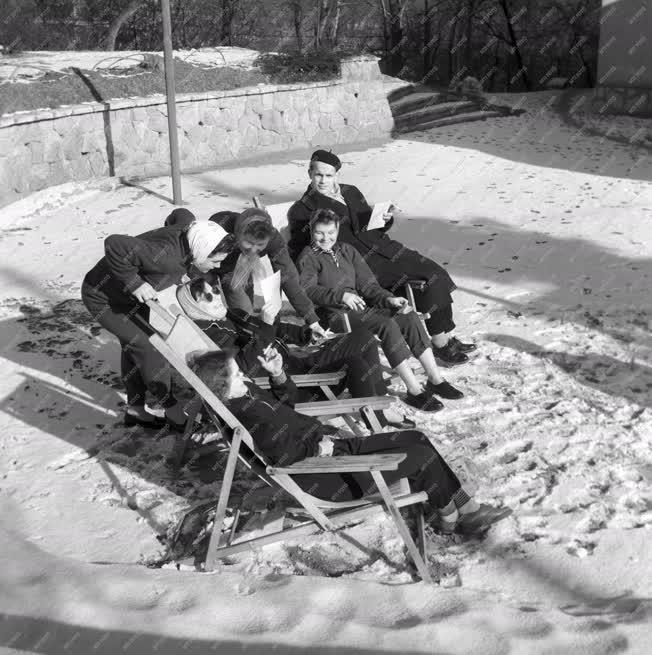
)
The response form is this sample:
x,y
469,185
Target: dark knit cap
x,y
327,157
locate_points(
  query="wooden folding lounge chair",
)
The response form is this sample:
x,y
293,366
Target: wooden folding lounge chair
x,y
324,515
162,318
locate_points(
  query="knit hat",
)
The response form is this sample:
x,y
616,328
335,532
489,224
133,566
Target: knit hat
x,y
327,157
203,238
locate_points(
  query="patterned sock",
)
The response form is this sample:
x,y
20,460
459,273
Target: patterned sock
x,y
464,503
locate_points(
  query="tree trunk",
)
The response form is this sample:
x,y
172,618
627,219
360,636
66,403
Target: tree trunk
x,y
228,13
492,77
468,50
335,22
427,35
451,54
297,16
517,50
321,22
120,20
396,34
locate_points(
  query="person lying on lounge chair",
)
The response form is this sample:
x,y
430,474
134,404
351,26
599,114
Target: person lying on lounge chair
x,y
249,336
285,436
337,279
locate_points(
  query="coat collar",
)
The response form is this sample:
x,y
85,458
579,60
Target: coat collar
x,y
312,199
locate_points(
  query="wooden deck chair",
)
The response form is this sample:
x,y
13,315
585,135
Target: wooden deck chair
x,y
279,214
324,515
194,341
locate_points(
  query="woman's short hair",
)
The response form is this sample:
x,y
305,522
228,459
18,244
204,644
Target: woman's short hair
x,y
324,217
258,230
212,369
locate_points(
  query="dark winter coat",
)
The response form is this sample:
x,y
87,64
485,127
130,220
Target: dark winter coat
x,y
283,435
355,217
160,257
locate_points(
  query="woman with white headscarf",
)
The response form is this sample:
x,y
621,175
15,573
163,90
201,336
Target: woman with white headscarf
x,y
131,272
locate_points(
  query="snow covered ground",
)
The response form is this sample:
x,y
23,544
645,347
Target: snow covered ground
x,y
31,65
547,232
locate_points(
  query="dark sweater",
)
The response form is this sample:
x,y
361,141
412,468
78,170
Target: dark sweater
x,y
280,258
355,215
325,282
283,435
160,257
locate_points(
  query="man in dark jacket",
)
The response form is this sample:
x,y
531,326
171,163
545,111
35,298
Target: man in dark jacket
x,y
390,261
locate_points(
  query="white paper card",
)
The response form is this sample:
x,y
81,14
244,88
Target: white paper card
x,y
270,287
376,221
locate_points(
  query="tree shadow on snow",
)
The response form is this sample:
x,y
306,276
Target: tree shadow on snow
x,y
571,279
51,637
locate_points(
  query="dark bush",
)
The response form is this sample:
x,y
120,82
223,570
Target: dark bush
x,y
310,66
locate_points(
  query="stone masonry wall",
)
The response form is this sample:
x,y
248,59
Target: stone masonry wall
x,y
129,137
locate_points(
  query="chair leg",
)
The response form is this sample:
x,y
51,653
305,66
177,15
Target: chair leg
x,y
181,444
372,418
395,513
220,512
413,303
421,531
353,426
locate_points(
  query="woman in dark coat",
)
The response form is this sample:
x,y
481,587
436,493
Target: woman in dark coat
x,y
284,436
337,279
390,261
131,272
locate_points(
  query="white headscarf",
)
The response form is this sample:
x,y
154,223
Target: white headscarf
x,y
202,310
203,238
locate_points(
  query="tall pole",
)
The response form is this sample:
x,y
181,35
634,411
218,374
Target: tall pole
x,y
171,102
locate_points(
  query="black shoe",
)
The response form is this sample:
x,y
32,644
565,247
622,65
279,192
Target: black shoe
x,y
449,355
155,422
462,347
444,390
403,424
423,401
481,520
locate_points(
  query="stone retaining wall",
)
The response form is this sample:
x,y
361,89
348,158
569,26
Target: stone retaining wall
x,y
129,137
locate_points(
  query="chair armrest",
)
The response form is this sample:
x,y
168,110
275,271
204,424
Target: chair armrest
x,y
346,406
312,380
341,464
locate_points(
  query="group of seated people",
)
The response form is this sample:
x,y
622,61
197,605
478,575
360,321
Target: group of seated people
x,y
341,269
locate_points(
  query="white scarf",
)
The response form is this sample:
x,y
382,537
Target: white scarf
x,y
203,238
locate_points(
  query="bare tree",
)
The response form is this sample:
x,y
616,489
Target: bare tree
x,y
296,7
393,14
119,21
522,69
